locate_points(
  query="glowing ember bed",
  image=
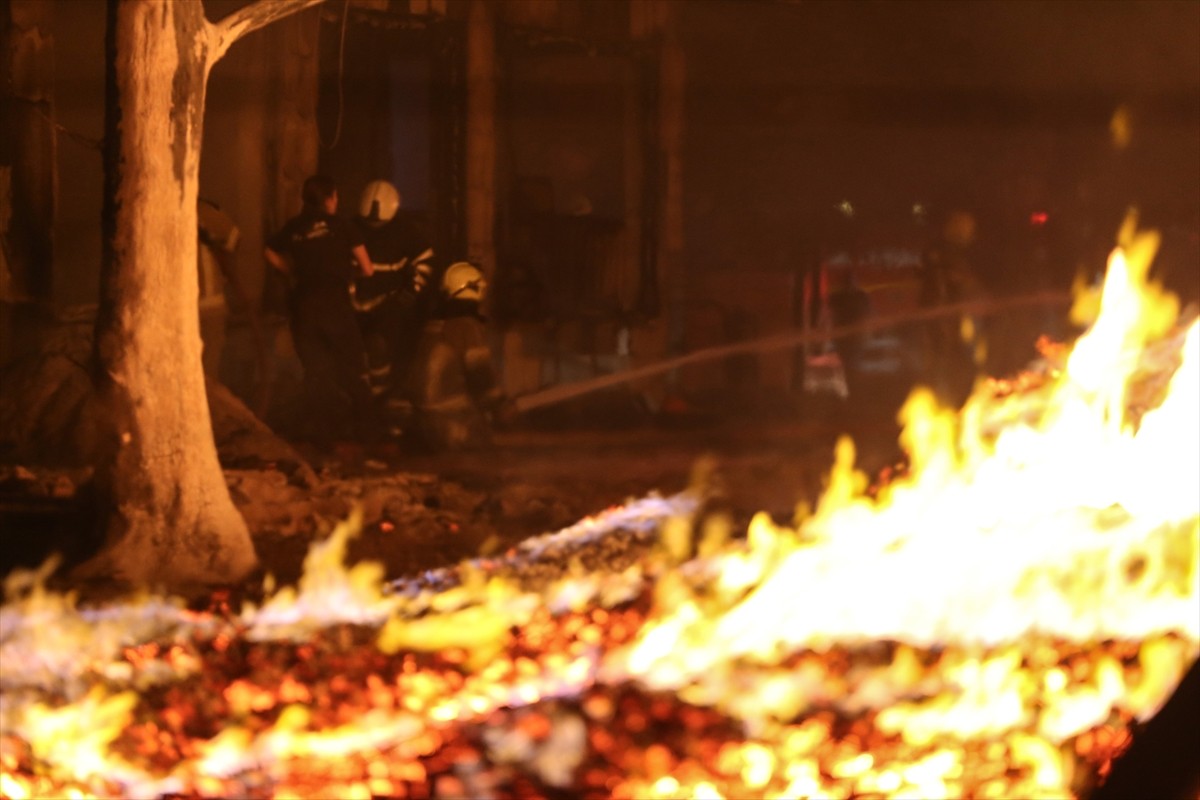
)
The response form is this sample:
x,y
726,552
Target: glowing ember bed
x,y
992,623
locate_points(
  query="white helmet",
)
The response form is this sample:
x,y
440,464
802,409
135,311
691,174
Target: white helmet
x,y
380,202
463,281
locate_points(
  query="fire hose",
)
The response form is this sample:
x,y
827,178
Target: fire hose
x,y
783,340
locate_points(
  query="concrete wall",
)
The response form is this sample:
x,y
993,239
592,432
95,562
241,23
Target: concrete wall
x,y
28,153
28,172
79,100
260,136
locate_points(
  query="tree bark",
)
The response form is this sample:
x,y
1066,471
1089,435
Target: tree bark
x,y
170,520
250,18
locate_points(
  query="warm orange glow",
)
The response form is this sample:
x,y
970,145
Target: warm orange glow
x,y
988,623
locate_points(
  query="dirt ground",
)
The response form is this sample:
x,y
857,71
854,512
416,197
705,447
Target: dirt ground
x,y
421,512
428,511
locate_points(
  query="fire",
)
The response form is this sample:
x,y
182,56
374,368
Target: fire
x,y
1079,525
988,623
1007,535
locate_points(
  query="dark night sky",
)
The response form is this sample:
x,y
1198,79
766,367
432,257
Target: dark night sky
x,y
1030,46
999,106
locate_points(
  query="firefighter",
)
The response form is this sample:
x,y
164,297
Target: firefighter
x,y
226,313
453,385
849,304
218,238
948,277
392,303
320,253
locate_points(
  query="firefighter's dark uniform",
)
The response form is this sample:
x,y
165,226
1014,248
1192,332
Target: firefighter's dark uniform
x,y
323,324
947,278
393,303
453,384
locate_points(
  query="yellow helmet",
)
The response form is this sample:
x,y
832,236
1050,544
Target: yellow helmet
x,y
379,202
463,281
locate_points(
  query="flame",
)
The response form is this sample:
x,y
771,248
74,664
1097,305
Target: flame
x,y
79,734
328,593
988,623
988,527
1079,524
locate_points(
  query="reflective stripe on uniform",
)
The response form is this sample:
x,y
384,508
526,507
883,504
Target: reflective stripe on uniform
x,y
394,267
362,306
459,402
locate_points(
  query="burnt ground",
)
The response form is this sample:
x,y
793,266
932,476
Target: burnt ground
x,y
421,512
752,455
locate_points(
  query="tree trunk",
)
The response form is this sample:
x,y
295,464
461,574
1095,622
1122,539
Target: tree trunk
x,y
170,519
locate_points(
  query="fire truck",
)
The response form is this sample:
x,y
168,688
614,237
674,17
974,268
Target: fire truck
x,y
866,271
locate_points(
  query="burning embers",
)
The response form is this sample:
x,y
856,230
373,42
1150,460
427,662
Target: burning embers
x,y
989,624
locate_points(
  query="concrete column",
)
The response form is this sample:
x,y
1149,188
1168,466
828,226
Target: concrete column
x,y
481,135
292,148
624,275
656,22
28,164
672,76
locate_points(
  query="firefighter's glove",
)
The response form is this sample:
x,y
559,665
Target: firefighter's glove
x,y
422,271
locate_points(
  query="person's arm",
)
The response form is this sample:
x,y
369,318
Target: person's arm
x,y
365,268
275,260
422,269
483,382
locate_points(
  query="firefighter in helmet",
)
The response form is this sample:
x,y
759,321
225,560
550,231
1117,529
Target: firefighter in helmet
x,y
316,250
392,303
219,236
454,388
